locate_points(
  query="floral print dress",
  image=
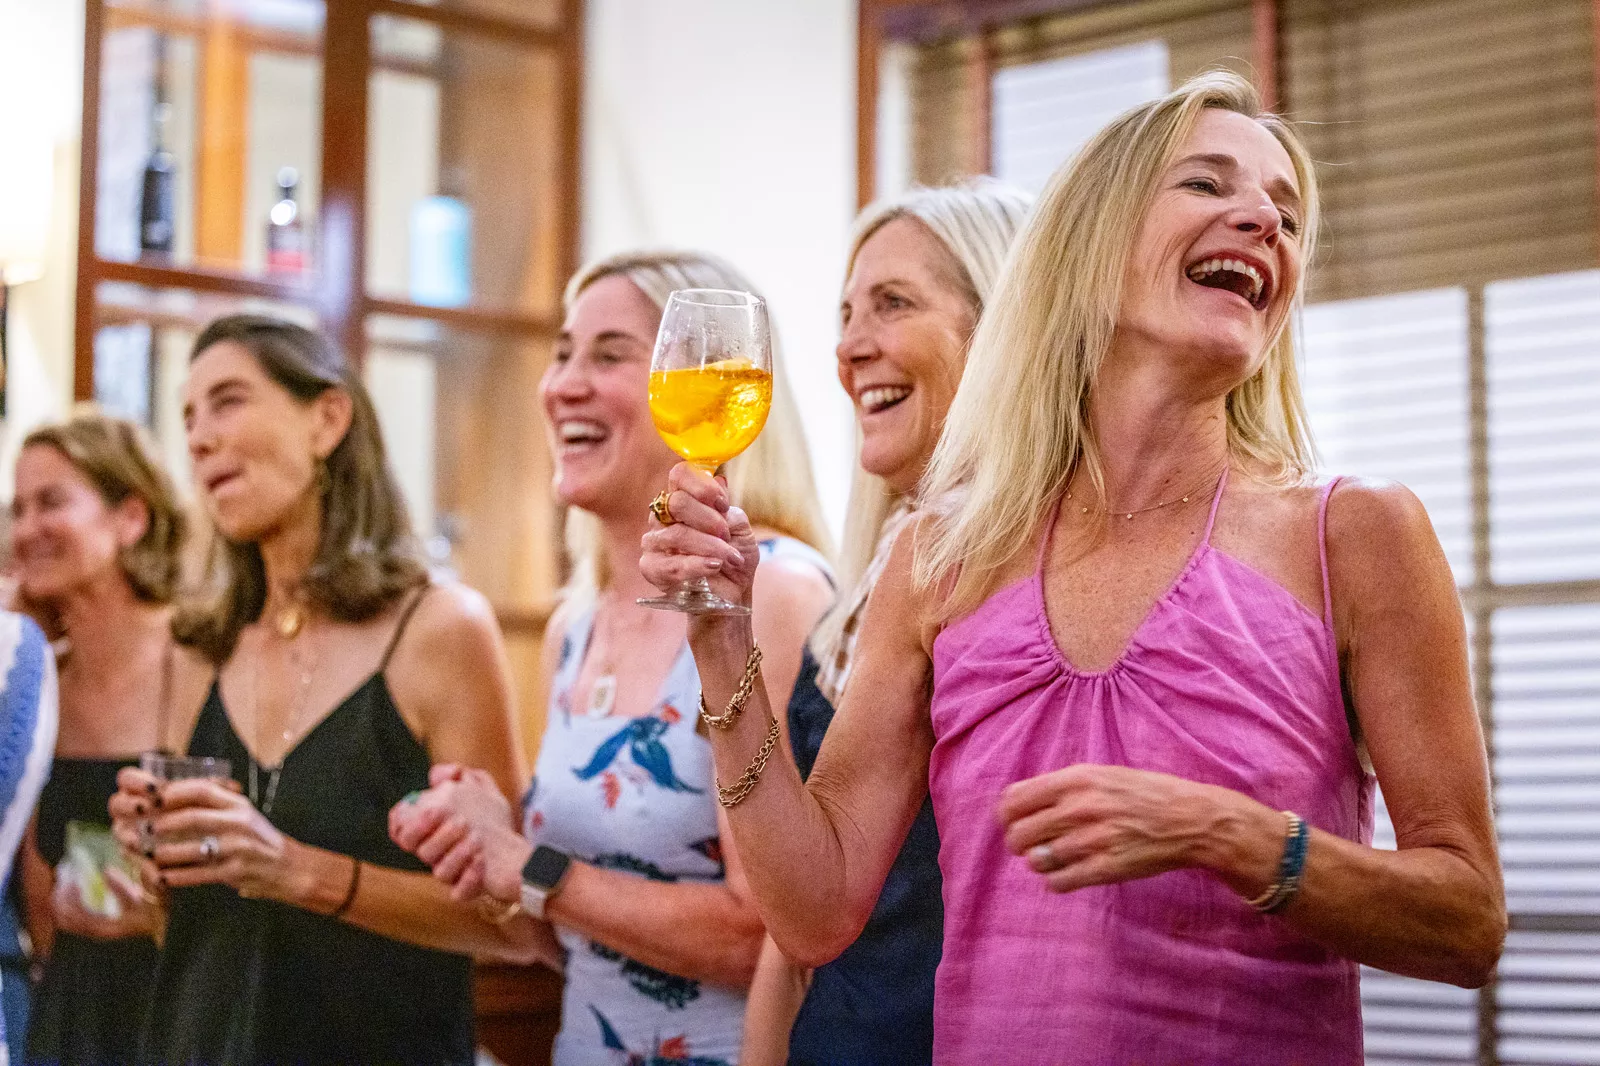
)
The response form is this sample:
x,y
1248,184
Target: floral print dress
x,y
637,795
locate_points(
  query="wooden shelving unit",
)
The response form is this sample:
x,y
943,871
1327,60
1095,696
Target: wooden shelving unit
x,y
377,103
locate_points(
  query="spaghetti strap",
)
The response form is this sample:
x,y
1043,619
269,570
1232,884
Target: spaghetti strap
x,y
1322,549
1211,521
400,627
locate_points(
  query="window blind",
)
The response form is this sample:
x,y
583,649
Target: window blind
x,y
1542,353
1045,111
1547,763
1385,381
1456,137
1542,337
1052,75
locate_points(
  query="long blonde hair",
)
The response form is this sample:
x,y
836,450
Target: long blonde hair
x,y
1038,350
771,480
975,222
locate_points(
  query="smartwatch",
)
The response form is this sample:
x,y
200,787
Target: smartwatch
x,y
542,875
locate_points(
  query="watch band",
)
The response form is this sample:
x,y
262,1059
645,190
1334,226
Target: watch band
x,y
542,876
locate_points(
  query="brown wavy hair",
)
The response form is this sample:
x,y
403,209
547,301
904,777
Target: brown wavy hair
x,y
116,457
366,556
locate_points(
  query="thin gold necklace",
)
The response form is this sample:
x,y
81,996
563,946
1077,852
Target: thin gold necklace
x,y
1153,507
307,670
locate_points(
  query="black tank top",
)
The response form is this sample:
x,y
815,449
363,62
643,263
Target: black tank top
x,y
873,1005
91,1005
247,981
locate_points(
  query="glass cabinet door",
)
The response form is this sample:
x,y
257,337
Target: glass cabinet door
x,y
210,136
462,170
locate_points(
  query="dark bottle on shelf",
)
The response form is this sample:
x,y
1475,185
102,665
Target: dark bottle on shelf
x,y
286,233
156,204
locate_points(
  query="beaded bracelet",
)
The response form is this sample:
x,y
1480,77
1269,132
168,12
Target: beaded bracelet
x,y
1291,868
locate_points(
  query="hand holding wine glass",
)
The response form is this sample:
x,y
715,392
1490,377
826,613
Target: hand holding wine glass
x,y
709,539
710,391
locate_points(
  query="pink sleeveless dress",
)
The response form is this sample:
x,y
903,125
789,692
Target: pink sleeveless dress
x,y
1229,680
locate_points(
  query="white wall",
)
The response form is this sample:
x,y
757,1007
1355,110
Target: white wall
x,y
41,67
729,125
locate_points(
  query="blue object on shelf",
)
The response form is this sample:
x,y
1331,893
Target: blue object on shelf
x,y
441,252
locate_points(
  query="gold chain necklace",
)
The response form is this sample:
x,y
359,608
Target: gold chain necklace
x,y
307,670
1153,507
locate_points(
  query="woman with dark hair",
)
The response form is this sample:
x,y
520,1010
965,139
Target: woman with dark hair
x,y
96,530
298,932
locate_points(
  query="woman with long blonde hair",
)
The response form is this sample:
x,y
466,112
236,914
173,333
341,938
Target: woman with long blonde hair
x,y
625,850
1138,653
920,268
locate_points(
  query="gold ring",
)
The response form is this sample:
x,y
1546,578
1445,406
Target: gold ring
x,y
659,508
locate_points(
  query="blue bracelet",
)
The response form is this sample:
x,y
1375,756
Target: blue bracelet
x,y
1291,868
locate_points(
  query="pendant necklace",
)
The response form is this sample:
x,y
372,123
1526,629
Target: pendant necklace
x,y
306,671
290,618
603,693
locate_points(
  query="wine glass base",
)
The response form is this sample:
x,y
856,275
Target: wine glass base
x,y
694,601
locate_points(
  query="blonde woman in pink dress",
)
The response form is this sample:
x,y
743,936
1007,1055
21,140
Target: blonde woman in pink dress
x,y
1140,654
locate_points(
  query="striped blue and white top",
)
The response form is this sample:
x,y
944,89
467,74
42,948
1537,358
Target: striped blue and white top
x,y
27,736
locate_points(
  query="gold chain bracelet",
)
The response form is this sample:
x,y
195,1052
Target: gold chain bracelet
x,y
736,703
735,793
495,912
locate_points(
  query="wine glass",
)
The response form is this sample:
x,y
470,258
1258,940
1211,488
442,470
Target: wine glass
x,y
710,391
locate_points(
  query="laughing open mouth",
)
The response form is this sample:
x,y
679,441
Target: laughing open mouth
x,y
576,432
1235,275
882,398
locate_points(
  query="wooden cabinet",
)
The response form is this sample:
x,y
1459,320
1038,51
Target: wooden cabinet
x,y
433,148
391,115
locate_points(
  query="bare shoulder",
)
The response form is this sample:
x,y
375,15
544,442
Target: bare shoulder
x,y
453,624
1378,517
898,599
788,582
1384,559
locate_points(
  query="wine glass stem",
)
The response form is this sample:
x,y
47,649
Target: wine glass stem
x,y
700,587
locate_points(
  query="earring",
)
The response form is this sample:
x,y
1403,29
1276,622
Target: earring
x,y
324,479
